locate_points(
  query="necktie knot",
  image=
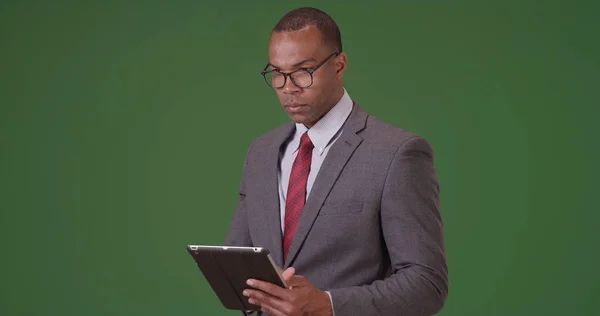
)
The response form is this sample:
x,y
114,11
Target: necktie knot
x,y
305,141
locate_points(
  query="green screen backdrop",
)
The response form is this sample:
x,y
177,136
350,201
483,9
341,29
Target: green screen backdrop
x,y
124,125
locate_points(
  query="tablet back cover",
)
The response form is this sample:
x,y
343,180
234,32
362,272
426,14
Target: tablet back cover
x,y
228,268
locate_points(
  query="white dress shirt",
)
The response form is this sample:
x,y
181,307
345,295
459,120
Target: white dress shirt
x,y
323,134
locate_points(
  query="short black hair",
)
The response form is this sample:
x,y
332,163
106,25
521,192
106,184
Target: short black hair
x,y
302,17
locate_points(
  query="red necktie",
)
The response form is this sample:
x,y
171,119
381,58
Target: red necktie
x,y
296,193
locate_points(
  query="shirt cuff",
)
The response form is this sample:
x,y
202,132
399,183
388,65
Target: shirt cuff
x,y
331,300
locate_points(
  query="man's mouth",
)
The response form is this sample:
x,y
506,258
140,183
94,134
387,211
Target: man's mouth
x,y
294,104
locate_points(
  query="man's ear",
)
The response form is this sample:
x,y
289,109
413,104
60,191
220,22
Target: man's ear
x,y
341,62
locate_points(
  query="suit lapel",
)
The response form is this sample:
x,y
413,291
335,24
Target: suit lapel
x,y
271,195
332,166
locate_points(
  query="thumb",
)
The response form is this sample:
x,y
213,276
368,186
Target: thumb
x,y
288,274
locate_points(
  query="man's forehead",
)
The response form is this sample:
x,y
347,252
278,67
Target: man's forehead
x,y
292,47
290,51
294,54
306,38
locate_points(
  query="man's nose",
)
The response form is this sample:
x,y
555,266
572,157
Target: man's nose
x,y
289,87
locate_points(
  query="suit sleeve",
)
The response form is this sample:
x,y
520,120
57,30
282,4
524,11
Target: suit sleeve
x,y
238,233
413,233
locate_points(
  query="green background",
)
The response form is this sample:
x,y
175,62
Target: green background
x,y
124,125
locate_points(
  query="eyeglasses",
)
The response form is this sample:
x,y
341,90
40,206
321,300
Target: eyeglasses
x,y
302,78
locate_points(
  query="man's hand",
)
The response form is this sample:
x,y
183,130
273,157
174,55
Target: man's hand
x,y
300,298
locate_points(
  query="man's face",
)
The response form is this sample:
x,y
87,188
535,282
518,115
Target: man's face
x,y
290,51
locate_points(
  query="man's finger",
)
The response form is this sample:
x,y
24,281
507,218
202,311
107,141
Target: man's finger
x,y
271,311
269,288
267,301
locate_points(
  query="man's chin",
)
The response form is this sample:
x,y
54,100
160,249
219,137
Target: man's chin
x,y
298,118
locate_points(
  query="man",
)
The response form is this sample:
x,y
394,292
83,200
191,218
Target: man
x,y
347,204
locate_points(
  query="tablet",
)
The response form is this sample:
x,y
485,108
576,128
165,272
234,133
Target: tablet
x,y
228,268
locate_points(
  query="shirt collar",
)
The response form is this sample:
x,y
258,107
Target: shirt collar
x,y
327,127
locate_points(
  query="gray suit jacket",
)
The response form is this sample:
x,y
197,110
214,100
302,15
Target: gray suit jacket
x,y
371,231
